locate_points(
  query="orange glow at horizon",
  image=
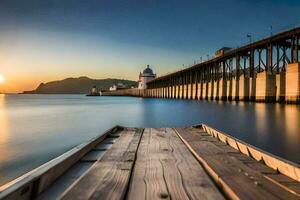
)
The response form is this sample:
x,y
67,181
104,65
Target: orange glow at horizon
x,y
25,60
2,79
19,82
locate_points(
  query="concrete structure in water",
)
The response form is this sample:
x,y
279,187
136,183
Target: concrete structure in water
x,y
266,71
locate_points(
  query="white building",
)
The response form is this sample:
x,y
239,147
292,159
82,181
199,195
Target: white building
x,y
113,88
117,86
145,77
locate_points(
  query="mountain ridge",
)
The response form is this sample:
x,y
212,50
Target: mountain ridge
x,y
79,85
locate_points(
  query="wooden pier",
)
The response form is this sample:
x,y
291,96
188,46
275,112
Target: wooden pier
x,y
161,163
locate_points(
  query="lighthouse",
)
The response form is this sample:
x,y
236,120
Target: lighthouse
x,y
145,77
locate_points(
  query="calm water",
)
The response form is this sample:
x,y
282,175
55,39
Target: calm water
x,y
37,128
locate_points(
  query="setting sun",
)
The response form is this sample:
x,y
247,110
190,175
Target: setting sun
x,y
2,79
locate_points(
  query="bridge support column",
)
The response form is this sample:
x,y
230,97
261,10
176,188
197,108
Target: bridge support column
x,y
174,91
229,90
160,93
187,86
194,91
200,90
182,87
234,85
252,88
216,86
184,91
223,87
205,89
208,92
292,83
167,91
242,88
280,86
265,87
180,91
189,91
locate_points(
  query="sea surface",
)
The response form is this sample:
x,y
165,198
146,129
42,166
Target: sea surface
x,y
37,128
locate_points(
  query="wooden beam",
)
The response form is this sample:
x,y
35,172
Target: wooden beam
x,y
109,177
236,179
165,169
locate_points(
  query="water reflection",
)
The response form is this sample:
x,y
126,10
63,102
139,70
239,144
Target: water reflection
x,y
4,131
260,117
5,150
291,118
37,128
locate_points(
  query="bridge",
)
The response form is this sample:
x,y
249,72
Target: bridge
x,y
266,70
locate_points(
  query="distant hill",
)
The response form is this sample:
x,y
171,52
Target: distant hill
x,y
81,85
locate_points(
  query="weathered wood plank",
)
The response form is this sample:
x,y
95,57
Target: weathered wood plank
x,y
236,179
165,169
64,181
109,177
92,156
285,182
283,166
269,173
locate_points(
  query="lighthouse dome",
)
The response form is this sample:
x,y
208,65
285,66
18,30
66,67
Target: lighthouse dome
x,y
148,71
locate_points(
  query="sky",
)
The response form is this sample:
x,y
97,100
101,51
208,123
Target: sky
x,y
42,41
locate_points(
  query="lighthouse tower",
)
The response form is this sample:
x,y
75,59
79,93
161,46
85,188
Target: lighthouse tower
x,y
145,77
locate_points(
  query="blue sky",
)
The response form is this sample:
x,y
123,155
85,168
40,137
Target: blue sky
x,y
100,39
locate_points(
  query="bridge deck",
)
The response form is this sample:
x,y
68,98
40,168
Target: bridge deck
x,y
180,163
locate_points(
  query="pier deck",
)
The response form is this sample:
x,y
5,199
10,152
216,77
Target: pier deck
x,y
181,163
161,163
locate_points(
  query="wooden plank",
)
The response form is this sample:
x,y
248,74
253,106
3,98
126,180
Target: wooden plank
x,y
283,166
285,182
102,147
165,169
110,140
109,177
269,173
92,156
235,178
64,181
257,166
